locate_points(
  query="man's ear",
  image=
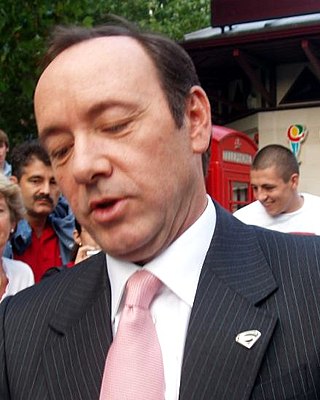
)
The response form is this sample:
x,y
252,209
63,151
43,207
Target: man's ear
x,y
294,180
199,117
13,179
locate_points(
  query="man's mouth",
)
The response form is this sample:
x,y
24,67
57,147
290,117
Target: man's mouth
x,y
103,204
107,210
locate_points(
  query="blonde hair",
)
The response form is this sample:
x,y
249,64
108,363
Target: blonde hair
x,y
12,195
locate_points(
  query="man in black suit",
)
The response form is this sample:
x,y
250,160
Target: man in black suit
x,y
126,125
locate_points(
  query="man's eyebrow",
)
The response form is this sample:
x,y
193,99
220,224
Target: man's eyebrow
x,y
92,112
102,106
47,132
35,177
268,185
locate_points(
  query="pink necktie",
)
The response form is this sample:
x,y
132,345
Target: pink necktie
x,y
134,367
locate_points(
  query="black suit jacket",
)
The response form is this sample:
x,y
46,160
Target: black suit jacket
x,y
54,336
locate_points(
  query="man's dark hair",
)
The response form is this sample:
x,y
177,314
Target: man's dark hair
x,y
24,153
275,155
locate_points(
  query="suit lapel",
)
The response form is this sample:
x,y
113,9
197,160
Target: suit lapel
x,y
234,279
80,334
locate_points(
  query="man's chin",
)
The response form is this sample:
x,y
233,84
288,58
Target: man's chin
x,y
42,212
273,213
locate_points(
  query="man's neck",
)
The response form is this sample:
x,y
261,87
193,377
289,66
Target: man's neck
x,y
296,204
37,224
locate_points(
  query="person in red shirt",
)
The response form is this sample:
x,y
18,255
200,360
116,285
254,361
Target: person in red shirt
x,y
44,239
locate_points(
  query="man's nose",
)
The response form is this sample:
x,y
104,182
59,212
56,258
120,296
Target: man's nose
x,y
45,187
90,160
260,194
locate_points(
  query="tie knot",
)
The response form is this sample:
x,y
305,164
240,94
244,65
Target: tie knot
x,y
141,289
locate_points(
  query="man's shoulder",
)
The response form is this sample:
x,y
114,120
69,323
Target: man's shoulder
x,y
311,199
249,213
79,282
283,242
288,254
43,292
255,204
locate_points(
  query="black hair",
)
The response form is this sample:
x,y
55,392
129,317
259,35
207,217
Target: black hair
x,y
22,155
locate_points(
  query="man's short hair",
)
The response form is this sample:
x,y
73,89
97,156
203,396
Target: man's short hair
x,y
25,153
4,138
276,155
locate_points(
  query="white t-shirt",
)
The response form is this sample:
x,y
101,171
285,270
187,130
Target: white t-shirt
x,y
19,274
305,220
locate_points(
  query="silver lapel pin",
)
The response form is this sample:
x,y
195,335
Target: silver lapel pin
x,y
248,338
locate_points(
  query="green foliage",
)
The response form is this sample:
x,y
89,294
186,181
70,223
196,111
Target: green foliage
x,y
24,27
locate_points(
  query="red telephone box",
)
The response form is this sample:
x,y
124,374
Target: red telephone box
x,y
228,179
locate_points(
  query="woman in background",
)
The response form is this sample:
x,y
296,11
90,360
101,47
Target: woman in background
x,y
85,245
14,275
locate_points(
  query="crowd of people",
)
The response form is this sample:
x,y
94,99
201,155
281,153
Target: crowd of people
x,y
46,237
39,233
183,300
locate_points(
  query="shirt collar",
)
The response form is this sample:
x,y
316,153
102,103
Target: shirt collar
x,y
178,267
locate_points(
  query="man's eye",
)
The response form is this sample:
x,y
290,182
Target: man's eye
x,y
59,153
116,127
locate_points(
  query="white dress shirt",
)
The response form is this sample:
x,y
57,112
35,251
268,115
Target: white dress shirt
x,y
178,267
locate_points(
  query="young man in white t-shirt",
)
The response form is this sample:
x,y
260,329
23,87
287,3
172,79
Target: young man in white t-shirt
x,y
279,206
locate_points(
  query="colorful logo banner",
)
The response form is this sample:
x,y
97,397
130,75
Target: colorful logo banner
x,y
296,134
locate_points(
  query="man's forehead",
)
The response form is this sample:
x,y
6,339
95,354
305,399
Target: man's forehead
x,y
264,173
271,170
35,163
100,69
99,58
99,49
